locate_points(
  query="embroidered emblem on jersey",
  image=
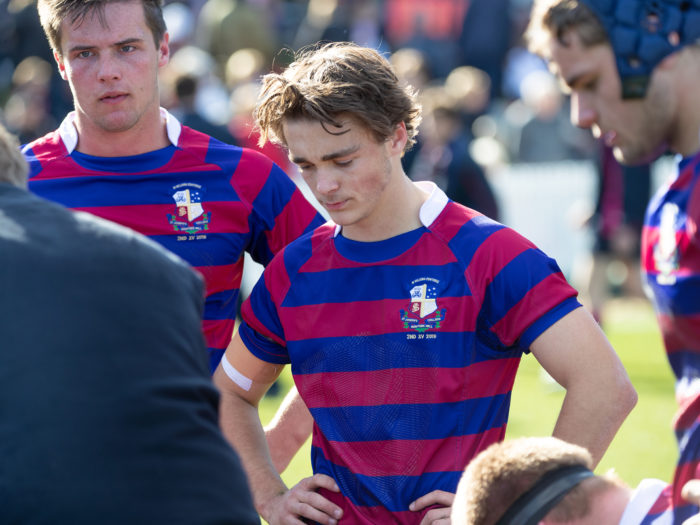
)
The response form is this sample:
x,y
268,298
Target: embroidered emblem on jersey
x,y
666,249
423,311
190,216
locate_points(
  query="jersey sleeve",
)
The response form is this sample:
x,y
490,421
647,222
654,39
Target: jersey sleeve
x,y
261,327
280,212
525,294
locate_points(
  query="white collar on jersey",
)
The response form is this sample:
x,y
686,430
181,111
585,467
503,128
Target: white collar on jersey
x,y
431,208
644,496
69,133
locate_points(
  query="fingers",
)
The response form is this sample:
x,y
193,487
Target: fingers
x,y
302,501
436,497
691,493
439,516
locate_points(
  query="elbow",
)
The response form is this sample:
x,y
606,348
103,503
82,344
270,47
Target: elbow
x,y
627,397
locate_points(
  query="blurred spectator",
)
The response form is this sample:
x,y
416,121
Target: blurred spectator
x,y
433,26
623,193
225,26
184,110
443,155
540,127
27,108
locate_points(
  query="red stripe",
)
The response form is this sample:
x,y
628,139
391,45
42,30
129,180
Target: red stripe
x,y
152,219
251,161
541,298
407,457
222,277
370,317
292,221
217,332
494,253
680,333
451,220
408,385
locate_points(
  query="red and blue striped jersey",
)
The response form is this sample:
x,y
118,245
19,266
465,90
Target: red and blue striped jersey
x,y
204,200
671,266
404,350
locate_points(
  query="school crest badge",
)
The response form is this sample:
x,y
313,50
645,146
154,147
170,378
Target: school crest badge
x,y
190,216
423,312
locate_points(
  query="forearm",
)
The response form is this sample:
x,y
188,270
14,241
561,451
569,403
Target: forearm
x,y
590,417
288,430
241,425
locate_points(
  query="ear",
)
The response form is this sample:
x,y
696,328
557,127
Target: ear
x,y
398,139
164,50
61,65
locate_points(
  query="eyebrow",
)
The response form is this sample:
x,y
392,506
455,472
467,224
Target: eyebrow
x,y
330,156
116,44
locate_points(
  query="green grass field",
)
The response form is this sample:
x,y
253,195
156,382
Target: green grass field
x,y
645,445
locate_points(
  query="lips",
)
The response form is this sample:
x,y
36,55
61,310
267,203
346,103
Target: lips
x,y
113,97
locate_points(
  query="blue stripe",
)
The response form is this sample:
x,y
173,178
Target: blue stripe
x,y
685,363
217,249
264,308
261,347
414,421
680,298
221,306
514,281
119,190
471,235
149,161
545,321
346,285
224,155
390,350
394,493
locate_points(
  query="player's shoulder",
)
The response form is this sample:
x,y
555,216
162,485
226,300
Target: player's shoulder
x,y
469,233
45,148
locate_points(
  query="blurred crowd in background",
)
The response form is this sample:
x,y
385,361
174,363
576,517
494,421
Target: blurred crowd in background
x,y
487,101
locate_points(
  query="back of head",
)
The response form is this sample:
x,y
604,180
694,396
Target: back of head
x,y
641,32
332,79
52,13
13,166
497,477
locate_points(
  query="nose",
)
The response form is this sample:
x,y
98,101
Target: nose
x,y
583,114
108,67
326,181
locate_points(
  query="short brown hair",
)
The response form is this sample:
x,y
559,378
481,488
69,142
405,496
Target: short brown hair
x,y
53,12
326,81
553,18
503,472
13,166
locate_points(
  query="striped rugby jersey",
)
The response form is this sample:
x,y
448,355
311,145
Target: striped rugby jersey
x,y
206,201
404,350
671,267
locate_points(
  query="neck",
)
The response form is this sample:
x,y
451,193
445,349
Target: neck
x,y
399,213
148,134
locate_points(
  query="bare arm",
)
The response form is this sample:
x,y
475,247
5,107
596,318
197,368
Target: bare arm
x,y
240,423
599,394
288,430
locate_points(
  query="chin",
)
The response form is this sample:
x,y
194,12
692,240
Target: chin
x,y
637,157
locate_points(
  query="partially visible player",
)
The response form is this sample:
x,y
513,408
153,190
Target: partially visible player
x,y
633,70
545,480
107,410
404,319
122,157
